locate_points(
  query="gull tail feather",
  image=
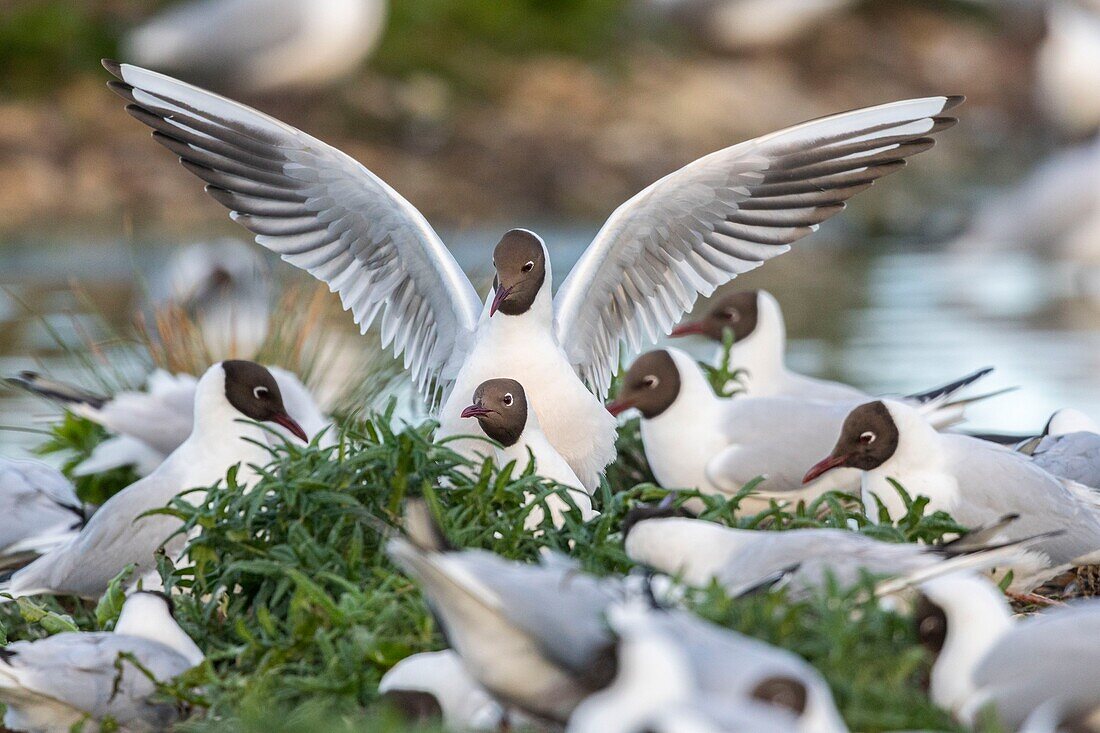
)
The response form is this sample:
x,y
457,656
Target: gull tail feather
x,y
939,394
51,389
978,561
979,538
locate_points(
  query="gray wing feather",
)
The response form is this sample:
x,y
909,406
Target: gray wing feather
x,y
34,498
321,211
727,663
1073,456
79,670
994,482
820,553
723,215
114,537
1052,655
561,608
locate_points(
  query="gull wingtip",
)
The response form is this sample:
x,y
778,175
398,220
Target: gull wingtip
x,y
953,100
114,67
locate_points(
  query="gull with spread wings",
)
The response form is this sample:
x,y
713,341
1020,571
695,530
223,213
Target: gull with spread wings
x,y
683,236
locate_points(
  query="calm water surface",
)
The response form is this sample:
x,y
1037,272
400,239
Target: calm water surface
x,y
887,318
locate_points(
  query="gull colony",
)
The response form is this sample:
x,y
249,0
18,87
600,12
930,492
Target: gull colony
x,y
525,376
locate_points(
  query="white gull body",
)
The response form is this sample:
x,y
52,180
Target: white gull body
x,y
741,560
464,703
533,445
261,45
569,415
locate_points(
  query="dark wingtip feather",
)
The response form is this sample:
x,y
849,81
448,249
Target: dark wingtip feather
x,y
122,89
422,529
114,67
953,100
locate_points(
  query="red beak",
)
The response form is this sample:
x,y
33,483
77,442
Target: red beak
x,y
501,295
823,466
288,422
475,411
688,329
618,407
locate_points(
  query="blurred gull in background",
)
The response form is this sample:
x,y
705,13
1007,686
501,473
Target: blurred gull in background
x,y
1067,65
65,681
38,509
431,685
260,46
673,659
225,286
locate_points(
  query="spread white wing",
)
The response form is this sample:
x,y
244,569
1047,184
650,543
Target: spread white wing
x,y
321,210
725,214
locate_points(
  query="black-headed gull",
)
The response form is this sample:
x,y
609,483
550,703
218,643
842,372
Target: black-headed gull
x,y
149,424
698,440
503,415
759,348
975,481
66,681
225,287
532,635
673,659
39,509
260,45
700,552
683,236
430,686
228,398
984,660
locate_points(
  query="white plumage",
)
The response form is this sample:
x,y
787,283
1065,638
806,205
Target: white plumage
x,y
260,45
464,704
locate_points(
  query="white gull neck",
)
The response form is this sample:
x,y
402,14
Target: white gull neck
x,y
761,353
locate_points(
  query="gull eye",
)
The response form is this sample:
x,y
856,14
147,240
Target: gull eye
x,y
529,266
732,315
867,438
507,399
260,392
651,381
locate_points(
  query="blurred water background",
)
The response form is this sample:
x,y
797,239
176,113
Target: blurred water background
x,y
548,114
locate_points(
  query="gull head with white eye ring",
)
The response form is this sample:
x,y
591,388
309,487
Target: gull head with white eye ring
x,y
520,263
500,406
738,313
252,391
651,385
867,440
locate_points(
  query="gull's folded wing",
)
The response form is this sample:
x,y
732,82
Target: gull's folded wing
x,y
321,210
725,214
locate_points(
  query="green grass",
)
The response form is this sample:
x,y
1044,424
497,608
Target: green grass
x,y
300,612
